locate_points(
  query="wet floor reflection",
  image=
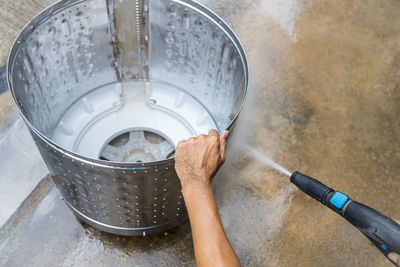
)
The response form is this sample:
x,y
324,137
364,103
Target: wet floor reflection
x,y
49,234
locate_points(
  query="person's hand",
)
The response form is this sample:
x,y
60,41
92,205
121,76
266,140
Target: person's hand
x,y
393,256
198,158
196,162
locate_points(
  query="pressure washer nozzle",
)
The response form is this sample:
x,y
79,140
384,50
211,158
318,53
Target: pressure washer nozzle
x,y
311,186
382,231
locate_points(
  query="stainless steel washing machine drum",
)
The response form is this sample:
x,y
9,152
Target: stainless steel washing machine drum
x,y
108,89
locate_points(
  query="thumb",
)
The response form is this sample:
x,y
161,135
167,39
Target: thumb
x,y
222,143
394,258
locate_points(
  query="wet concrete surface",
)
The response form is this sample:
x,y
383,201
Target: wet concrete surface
x,y
3,79
48,234
324,93
20,162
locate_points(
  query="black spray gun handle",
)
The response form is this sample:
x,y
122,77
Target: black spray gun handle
x,y
380,229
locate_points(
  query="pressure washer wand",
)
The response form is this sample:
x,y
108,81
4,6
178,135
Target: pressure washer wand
x,y
380,229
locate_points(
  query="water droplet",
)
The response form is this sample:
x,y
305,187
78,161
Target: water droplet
x,y
52,31
169,52
186,21
169,39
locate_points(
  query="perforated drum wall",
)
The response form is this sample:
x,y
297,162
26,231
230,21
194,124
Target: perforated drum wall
x,y
84,72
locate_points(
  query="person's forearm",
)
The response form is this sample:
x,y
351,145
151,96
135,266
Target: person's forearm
x,y
211,245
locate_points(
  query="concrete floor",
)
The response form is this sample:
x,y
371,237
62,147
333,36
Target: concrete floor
x,y
20,162
324,99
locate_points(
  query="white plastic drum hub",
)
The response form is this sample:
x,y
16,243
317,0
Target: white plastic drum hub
x,y
137,108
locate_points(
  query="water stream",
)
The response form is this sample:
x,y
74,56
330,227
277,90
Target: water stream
x,y
262,158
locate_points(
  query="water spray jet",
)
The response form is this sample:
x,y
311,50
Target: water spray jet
x,y
381,230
